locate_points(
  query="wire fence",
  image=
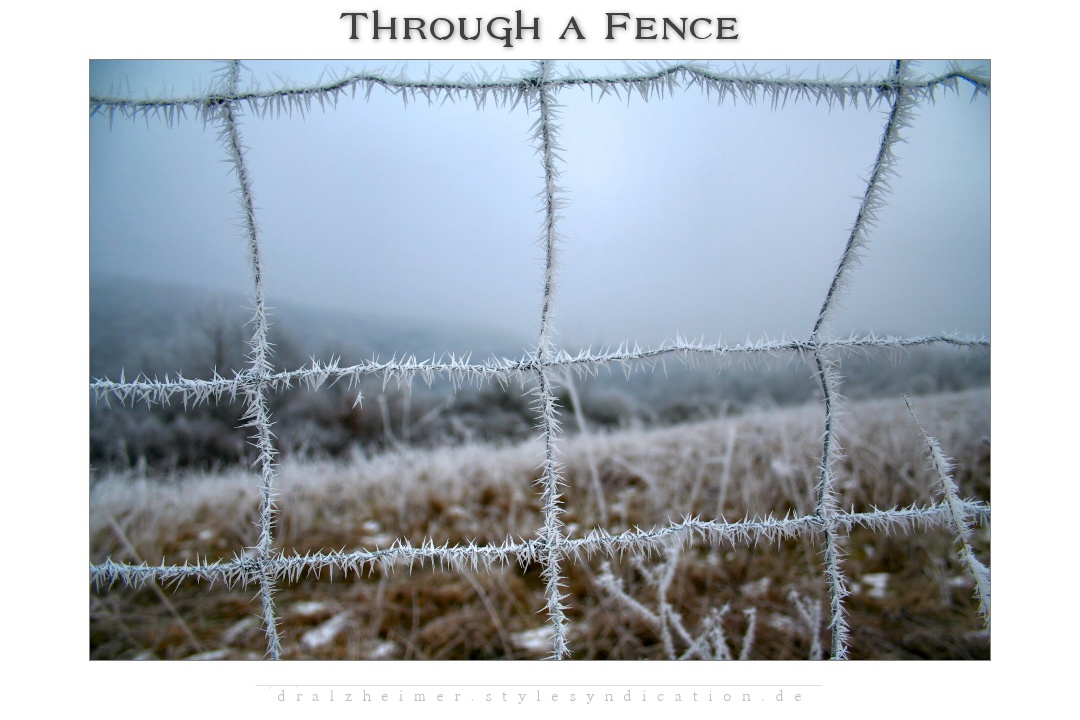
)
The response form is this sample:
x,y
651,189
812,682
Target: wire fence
x,y
551,546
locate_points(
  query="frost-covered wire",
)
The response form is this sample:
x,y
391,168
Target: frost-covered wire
x,y
545,130
460,370
877,187
479,87
403,555
257,413
873,200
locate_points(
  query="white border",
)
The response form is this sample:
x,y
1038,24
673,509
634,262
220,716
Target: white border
x,y
47,262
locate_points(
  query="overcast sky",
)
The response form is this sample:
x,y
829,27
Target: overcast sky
x,y
723,221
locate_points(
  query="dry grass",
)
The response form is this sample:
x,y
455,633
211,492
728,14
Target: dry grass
x,y
910,597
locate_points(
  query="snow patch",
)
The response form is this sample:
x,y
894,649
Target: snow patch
x,y
381,651
381,541
877,582
311,608
325,633
535,640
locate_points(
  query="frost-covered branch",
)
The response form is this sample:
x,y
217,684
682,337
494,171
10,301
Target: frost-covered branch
x,y
960,518
810,614
710,642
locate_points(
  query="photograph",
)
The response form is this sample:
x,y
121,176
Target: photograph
x,y
603,360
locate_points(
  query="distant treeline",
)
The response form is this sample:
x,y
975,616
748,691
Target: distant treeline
x,y
327,423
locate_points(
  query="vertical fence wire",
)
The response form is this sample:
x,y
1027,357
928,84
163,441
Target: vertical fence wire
x,y
551,480
827,373
257,413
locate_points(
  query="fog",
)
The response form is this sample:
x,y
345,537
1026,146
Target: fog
x,y
682,216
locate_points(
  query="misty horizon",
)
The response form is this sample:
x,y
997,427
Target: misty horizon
x,y
681,216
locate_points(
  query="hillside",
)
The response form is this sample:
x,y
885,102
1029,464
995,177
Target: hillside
x,y
158,330
142,326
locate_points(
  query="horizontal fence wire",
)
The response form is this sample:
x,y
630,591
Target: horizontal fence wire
x,y
222,106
